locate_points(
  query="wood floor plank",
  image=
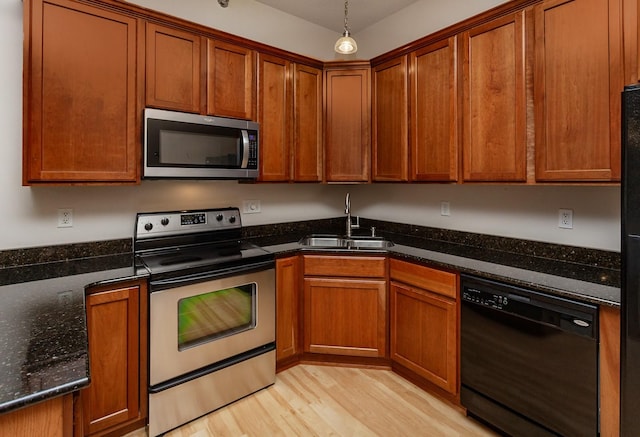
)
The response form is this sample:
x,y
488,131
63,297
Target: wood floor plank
x,y
322,401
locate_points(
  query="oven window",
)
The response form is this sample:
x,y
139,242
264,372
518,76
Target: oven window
x,y
206,317
199,149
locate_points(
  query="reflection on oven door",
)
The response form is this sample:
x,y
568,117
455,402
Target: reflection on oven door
x,y
197,325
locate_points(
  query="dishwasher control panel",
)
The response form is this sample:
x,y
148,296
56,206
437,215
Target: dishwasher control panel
x,y
484,298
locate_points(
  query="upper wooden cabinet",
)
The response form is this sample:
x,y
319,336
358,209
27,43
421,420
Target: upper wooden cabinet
x,y
578,79
189,72
493,101
230,80
307,124
274,115
82,94
390,109
174,69
347,122
290,117
434,112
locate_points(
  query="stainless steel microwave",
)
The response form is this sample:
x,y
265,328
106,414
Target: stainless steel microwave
x,y
192,146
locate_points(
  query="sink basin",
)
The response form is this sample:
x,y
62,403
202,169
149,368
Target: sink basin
x,y
322,241
339,242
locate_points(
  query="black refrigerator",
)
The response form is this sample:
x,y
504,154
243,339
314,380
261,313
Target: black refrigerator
x,y
630,251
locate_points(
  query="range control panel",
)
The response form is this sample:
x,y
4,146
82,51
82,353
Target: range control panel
x,y
161,224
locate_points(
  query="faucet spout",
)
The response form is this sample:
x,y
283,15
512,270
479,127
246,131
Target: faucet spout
x,y
347,210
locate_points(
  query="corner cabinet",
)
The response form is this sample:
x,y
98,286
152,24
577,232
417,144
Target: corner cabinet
x,y
345,305
347,122
83,91
494,132
424,322
390,161
578,80
116,400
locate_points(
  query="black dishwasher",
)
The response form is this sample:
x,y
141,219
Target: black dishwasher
x,y
529,361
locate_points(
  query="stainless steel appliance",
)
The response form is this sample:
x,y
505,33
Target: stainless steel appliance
x,y
630,291
529,361
211,313
193,146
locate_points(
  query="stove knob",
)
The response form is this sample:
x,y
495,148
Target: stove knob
x,y
164,221
148,226
219,217
232,219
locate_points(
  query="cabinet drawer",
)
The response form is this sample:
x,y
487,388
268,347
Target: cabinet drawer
x,y
434,280
352,266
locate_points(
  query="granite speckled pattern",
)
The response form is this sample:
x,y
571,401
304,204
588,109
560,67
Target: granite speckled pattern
x,y
42,309
588,275
43,331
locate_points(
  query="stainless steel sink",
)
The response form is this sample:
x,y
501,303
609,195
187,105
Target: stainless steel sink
x,y
344,243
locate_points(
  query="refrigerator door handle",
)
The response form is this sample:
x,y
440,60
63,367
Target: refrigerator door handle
x,y
633,286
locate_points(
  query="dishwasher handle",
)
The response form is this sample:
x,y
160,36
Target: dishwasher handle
x,y
567,315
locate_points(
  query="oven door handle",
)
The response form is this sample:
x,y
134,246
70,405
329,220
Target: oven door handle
x,y
163,284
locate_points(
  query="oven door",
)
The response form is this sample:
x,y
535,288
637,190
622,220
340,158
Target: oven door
x,y
199,324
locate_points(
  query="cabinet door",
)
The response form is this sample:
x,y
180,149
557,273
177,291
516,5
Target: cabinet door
x,y
81,96
345,316
347,137
493,102
274,116
307,122
434,113
424,334
113,398
173,69
287,307
578,80
390,121
50,418
230,80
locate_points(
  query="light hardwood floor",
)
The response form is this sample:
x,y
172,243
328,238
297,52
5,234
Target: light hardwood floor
x,y
310,400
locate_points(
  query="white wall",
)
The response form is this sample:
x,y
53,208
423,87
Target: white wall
x,y
29,213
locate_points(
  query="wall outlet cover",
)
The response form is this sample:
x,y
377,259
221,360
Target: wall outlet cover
x,y
565,218
251,206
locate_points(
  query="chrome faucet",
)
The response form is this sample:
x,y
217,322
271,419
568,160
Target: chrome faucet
x,y
347,210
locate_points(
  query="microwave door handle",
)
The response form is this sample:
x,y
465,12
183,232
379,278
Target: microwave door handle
x,y
245,149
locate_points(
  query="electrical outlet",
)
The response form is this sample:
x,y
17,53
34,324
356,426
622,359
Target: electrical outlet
x,y
64,297
251,206
565,218
445,209
65,217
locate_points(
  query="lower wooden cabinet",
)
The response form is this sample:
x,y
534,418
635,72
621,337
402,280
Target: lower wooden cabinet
x,y
287,308
424,322
116,399
51,418
345,311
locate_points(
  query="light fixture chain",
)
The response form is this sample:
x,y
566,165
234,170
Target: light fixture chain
x,y
346,13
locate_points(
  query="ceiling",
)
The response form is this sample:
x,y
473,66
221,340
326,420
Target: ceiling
x,y
330,13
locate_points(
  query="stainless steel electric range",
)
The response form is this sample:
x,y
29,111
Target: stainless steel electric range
x,y
211,313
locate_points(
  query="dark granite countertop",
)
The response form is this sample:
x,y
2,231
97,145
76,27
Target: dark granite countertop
x,y
43,331
567,286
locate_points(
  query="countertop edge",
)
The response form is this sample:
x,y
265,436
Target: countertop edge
x,y
489,270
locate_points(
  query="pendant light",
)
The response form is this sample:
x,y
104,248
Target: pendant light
x,y
345,44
